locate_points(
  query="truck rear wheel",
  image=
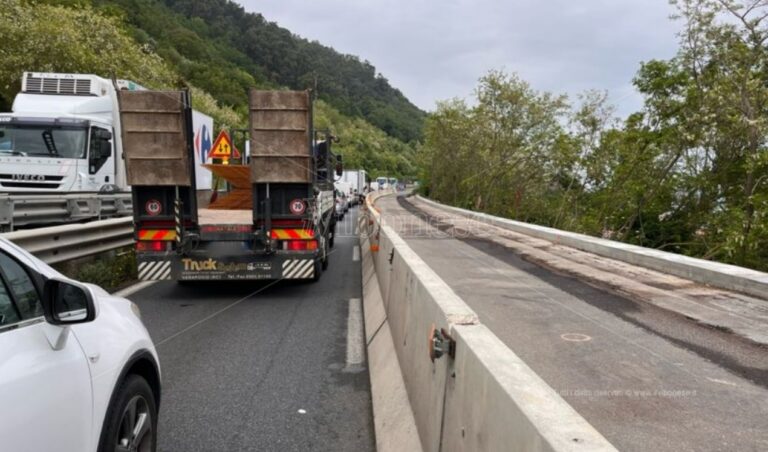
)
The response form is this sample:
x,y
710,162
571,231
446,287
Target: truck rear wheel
x,y
318,270
321,262
324,262
332,235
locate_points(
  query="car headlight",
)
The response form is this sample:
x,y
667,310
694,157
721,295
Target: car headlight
x,y
136,310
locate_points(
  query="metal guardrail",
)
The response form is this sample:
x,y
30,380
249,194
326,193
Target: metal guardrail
x,y
28,209
73,241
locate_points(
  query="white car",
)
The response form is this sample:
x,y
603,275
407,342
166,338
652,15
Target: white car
x,y
78,370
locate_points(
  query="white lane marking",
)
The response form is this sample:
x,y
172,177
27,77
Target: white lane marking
x,y
722,382
355,350
130,290
356,253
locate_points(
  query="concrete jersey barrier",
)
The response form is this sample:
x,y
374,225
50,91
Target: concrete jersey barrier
x,y
484,398
724,276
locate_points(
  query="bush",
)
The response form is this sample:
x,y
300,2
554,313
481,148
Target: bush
x,y
110,273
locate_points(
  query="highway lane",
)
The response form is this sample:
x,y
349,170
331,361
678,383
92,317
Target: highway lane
x,y
646,379
262,366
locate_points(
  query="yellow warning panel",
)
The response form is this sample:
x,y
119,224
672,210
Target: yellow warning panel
x,y
223,148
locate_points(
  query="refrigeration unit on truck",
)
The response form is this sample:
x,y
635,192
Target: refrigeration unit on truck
x,y
61,157
276,222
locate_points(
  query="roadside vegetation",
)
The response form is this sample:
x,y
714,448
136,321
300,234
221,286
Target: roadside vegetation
x,y
111,271
220,52
688,173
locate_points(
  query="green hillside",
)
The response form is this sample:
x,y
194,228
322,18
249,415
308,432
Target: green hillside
x,y
217,45
219,51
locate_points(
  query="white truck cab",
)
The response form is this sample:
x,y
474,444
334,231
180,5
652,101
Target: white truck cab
x,y
60,136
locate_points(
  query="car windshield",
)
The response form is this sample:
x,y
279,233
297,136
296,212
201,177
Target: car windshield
x,y
43,140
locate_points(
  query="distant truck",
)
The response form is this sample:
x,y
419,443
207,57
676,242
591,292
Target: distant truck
x,y
278,220
357,181
63,137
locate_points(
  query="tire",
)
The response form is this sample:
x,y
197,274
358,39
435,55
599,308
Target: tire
x,y
324,261
332,239
318,270
133,401
321,263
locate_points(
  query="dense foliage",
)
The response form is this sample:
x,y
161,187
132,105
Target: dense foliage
x,y
215,44
205,49
688,173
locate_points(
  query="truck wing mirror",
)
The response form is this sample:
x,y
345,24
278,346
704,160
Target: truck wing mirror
x,y
105,149
339,165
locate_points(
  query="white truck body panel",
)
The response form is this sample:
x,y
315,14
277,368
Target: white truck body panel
x,y
77,100
356,178
344,187
203,129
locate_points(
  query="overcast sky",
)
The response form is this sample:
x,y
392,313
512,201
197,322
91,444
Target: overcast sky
x,y
437,49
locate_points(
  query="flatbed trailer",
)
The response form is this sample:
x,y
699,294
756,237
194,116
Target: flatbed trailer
x,y
277,220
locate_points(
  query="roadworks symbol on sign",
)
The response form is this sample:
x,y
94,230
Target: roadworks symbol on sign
x,y
223,148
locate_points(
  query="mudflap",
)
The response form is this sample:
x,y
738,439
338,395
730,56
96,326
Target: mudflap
x,y
155,268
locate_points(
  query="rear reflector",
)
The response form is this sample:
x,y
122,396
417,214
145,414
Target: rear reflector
x,y
157,234
292,234
300,245
153,245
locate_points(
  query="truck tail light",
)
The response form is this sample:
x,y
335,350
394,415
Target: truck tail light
x,y
153,245
300,245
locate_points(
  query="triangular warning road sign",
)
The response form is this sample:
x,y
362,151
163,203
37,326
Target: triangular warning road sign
x,y
223,148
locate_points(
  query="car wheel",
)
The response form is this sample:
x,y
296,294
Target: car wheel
x,y
131,424
332,236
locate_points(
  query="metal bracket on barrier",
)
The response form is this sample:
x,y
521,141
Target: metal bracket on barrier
x,y
440,343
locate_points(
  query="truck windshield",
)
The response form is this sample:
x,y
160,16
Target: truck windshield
x,y
43,141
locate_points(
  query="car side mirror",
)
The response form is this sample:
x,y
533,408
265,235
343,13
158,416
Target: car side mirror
x,y
67,302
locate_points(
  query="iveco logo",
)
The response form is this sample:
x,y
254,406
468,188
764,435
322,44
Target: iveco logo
x,y
38,177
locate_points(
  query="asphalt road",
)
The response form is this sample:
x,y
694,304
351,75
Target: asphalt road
x,y
250,366
646,379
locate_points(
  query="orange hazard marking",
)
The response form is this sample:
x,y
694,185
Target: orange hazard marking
x,y
157,234
292,234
